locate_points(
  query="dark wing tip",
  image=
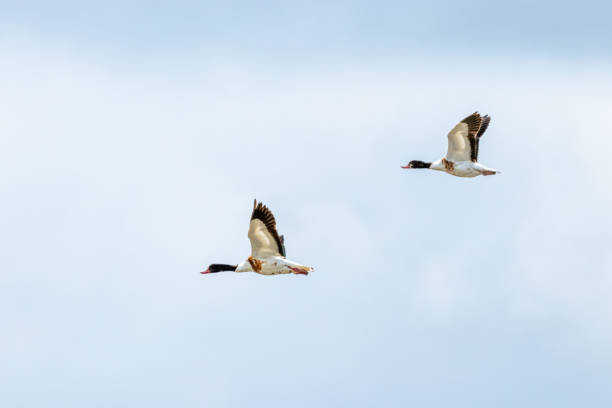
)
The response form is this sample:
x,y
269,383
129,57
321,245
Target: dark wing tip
x,y
483,125
474,136
473,122
263,213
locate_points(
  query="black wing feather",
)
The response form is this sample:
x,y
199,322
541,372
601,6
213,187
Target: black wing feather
x,y
483,128
477,125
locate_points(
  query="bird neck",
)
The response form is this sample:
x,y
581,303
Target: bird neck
x,y
417,164
221,268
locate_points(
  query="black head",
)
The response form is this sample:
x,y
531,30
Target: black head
x,y
417,164
213,268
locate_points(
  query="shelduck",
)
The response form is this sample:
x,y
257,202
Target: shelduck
x,y
267,249
462,157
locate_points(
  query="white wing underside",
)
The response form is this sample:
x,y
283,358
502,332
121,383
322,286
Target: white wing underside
x,y
263,244
459,144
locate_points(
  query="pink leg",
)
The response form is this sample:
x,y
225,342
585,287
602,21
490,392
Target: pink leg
x,y
488,172
299,271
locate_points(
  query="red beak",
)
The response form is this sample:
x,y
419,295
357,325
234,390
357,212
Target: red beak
x,y
408,166
206,271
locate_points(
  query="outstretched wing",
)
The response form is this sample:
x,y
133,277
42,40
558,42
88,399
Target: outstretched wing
x,y
265,241
475,141
461,138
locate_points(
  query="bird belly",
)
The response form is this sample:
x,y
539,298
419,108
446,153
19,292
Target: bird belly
x,y
465,169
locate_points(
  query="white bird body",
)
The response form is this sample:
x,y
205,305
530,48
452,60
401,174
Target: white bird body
x,y
461,159
273,265
463,168
267,248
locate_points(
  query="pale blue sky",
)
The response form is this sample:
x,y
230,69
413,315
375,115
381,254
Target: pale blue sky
x,y
134,139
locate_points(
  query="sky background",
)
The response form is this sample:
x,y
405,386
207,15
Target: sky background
x,y
134,138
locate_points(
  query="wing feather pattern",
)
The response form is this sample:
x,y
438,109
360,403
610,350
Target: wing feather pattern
x,y
476,141
265,241
463,138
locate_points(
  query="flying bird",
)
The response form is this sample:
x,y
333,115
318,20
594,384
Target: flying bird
x,y
462,157
267,249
